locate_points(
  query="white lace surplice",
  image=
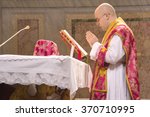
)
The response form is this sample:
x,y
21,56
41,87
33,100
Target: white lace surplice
x,y
116,81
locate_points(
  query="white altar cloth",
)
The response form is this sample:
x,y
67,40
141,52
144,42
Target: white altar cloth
x,y
63,71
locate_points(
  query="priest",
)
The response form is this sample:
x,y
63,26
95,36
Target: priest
x,y
115,74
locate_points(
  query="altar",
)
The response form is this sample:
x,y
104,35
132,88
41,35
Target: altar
x,y
61,71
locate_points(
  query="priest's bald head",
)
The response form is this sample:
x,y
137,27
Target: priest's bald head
x,y
105,14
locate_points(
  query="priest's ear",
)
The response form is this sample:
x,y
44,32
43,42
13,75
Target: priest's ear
x,y
107,16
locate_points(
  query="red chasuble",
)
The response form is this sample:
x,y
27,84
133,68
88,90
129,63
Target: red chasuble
x,y
99,84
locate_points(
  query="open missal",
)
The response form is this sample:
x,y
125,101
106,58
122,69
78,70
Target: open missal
x,y
69,39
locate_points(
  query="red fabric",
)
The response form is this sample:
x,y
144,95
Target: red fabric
x,y
99,82
131,60
45,48
129,45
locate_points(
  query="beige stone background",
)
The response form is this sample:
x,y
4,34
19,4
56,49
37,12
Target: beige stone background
x,y
47,17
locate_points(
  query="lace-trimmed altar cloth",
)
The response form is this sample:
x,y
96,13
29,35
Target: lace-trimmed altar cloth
x,y
63,71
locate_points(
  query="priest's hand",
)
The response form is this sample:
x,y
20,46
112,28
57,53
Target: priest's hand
x,y
91,38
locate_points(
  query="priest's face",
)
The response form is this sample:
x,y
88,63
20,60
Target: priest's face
x,y
101,20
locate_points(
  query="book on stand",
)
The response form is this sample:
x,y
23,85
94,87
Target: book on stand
x,y
74,45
